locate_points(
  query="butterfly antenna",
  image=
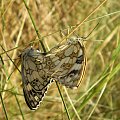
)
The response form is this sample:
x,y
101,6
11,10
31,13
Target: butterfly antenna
x,y
91,31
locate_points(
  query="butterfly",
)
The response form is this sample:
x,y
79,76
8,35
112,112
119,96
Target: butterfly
x,y
65,63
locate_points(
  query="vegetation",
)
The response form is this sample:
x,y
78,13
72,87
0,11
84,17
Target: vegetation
x,y
25,23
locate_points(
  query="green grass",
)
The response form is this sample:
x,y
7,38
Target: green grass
x,y
25,23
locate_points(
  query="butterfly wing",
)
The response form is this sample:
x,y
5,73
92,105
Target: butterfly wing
x,y
69,63
35,79
74,67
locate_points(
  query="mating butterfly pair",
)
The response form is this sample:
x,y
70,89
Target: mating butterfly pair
x,y
65,64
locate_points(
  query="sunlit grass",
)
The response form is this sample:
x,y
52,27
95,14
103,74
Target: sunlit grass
x,y
97,98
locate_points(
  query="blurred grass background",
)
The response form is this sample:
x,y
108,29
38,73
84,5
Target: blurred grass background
x,y
98,97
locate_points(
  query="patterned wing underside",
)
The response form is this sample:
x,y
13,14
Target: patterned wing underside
x,y
65,64
35,81
68,63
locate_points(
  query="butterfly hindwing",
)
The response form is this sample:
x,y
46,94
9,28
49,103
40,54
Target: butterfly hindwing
x,y
68,63
35,81
73,77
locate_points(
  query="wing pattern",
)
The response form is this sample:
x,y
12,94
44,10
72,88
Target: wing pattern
x,y
68,63
65,64
34,77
